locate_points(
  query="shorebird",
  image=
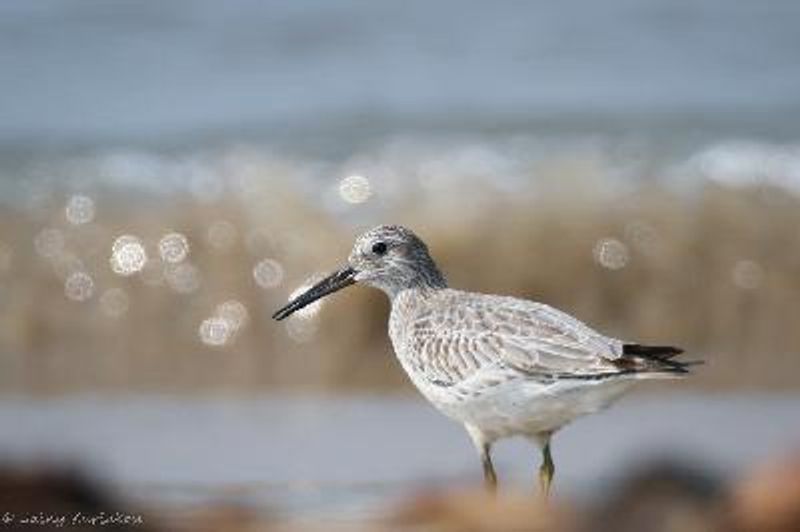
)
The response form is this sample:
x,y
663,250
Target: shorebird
x,y
501,366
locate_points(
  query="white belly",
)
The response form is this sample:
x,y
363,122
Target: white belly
x,y
522,406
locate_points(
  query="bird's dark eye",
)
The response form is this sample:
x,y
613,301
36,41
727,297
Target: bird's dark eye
x,y
379,248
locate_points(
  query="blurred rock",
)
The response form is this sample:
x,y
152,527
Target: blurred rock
x,y
54,499
660,497
476,511
768,499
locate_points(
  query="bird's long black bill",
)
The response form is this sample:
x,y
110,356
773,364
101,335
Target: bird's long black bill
x,y
335,281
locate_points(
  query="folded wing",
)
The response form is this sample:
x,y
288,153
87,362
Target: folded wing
x,y
460,334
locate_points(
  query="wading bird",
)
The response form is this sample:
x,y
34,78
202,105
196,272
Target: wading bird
x,y
499,365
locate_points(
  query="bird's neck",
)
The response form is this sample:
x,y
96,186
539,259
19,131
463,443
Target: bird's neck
x,y
424,282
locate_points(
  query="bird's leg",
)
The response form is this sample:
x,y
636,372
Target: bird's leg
x,y
489,476
547,469
484,448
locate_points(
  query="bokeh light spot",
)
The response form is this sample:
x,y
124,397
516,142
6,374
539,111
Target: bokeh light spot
x,y
173,247
80,209
215,331
355,189
234,312
183,278
611,253
128,255
268,273
221,328
79,286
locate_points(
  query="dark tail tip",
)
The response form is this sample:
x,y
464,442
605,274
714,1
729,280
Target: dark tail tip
x,y
651,351
659,357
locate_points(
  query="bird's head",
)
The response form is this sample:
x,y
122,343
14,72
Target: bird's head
x,y
389,257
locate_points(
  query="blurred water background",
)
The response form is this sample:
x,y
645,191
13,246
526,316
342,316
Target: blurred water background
x,y
171,172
